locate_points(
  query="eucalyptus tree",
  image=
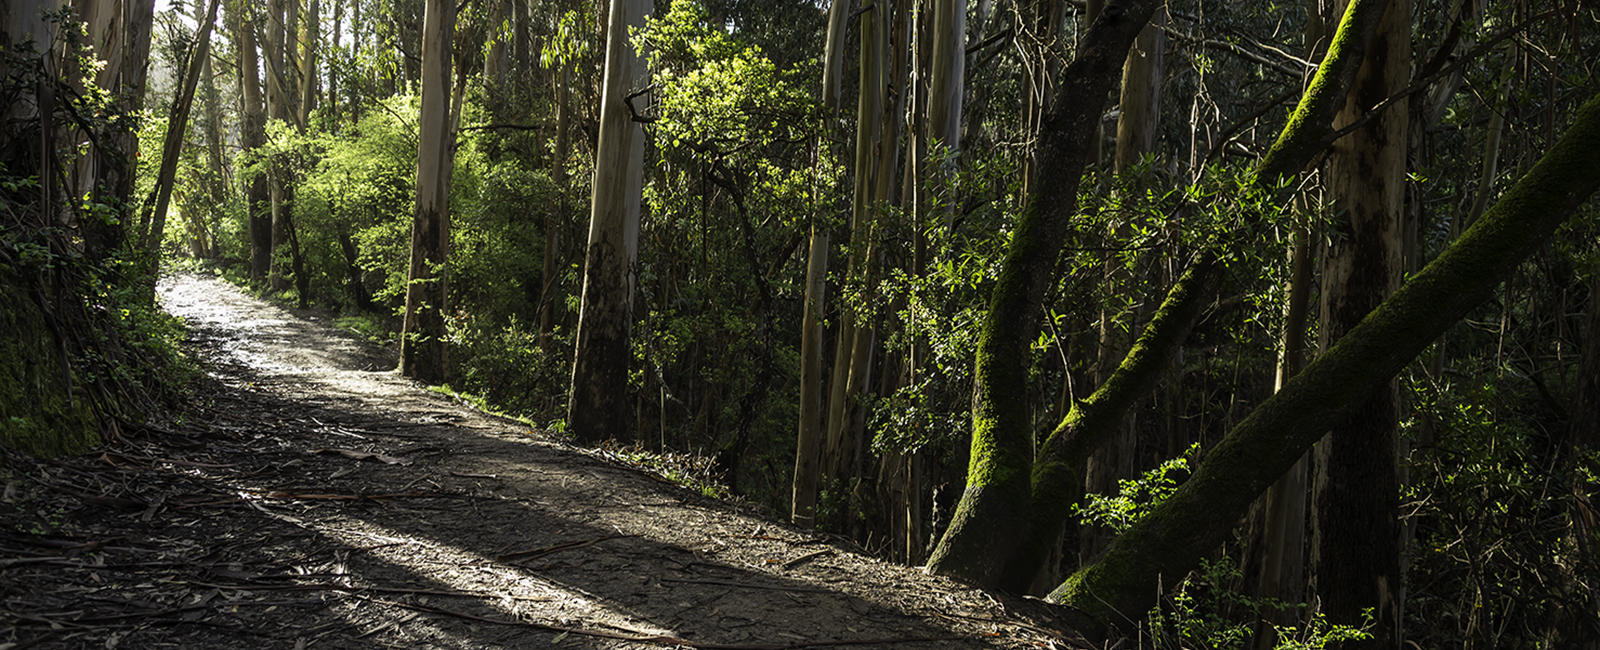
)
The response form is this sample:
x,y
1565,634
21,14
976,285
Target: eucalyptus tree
x,y
153,221
597,406
812,427
119,35
1355,553
422,338
242,18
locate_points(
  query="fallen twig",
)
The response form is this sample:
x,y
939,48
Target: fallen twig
x,y
806,558
567,546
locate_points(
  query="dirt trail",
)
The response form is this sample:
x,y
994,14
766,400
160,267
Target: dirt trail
x,y
320,500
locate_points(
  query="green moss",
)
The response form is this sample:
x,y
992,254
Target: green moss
x,y
41,410
1169,542
1303,136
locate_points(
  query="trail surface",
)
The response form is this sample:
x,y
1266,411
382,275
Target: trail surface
x,y
317,499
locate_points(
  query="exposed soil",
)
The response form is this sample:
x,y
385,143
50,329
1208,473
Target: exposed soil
x,y
317,499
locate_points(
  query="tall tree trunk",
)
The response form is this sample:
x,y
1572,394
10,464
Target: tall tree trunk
x,y
309,78
1171,540
813,424
1355,554
946,89
597,408
423,354
1283,530
554,225
1281,570
336,57
252,134
1142,74
840,447
1137,125
278,108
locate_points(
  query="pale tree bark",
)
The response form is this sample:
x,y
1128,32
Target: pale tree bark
x,y
278,56
886,183
1355,540
177,124
120,35
946,89
211,108
423,354
812,427
597,408
496,59
839,449
290,60
549,293
1142,72
1281,570
1283,531
336,55
1041,22
309,79
252,134
1170,541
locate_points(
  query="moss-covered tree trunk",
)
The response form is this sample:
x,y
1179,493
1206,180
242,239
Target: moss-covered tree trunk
x,y
1355,537
996,538
993,514
1170,541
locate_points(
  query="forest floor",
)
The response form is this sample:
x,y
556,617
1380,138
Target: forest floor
x,y
315,498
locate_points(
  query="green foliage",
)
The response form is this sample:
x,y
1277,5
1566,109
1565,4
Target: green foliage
x,y
1497,501
1204,612
507,366
81,342
1136,497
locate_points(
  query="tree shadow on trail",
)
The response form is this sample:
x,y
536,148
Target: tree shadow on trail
x,y
312,503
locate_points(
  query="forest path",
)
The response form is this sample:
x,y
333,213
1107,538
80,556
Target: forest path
x,y
318,499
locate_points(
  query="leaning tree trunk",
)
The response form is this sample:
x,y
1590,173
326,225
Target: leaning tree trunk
x,y
177,124
597,408
995,537
422,338
992,518
1170,541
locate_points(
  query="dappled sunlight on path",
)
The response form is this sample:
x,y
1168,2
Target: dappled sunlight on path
x,y
399,517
